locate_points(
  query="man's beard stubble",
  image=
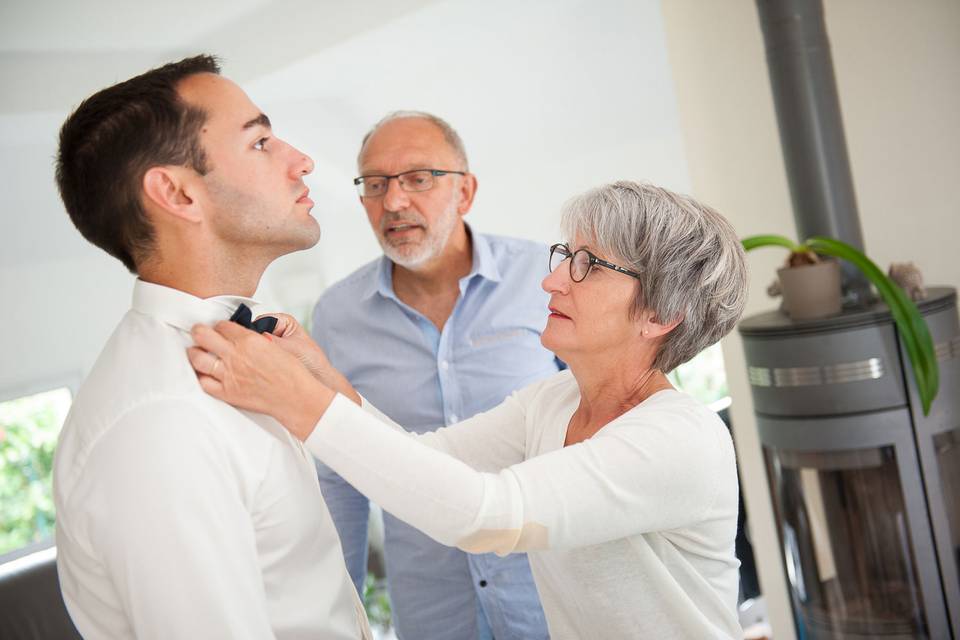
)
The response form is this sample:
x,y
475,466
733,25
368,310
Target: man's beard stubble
x,y
436,236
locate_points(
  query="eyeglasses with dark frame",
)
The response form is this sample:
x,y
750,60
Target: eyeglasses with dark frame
x,y
581,262
410,181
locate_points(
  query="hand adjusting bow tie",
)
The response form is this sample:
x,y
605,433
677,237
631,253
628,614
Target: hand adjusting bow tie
x,y
244,317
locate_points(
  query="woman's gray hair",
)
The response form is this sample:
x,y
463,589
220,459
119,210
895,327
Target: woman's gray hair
x,y
692,264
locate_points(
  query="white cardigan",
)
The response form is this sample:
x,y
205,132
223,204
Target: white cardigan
x,y
630,533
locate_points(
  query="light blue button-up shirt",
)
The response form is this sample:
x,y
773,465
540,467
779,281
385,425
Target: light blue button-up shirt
x,y
424,379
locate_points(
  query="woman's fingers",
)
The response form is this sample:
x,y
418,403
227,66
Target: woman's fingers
x,y
247,370
232,331
211,385
287,325
204,362
290,336
211,340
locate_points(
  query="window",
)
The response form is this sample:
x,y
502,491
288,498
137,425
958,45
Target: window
x,y
704,378
29,427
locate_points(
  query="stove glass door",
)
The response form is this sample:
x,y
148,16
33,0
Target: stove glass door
x,y
846,543
946,445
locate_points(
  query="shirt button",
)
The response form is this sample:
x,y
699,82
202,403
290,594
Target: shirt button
x,y
483,583
454,418
444,365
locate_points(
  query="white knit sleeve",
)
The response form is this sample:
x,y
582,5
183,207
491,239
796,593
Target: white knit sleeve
x,y
648,472
489,441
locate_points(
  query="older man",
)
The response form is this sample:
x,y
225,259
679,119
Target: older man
x,y
179,516
443,326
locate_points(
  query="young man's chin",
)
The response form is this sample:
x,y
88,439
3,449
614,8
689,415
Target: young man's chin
x,y
306,238
312,240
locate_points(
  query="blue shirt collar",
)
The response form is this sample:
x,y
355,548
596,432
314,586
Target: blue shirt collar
x,y
384,281
484,265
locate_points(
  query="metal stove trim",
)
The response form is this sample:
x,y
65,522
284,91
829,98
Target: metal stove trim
x,y
839,373
948,350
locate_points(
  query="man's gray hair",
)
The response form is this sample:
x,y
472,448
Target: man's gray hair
x,y
692,264
449,134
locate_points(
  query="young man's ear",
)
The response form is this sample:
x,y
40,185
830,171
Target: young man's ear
x,y
468,189
171,190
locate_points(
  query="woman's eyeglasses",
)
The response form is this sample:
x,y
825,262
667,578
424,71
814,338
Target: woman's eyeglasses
x,y
581,261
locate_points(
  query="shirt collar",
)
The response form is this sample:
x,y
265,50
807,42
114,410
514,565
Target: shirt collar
x,y
384,280
483,265
182,310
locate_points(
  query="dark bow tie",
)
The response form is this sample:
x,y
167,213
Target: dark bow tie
x,y
244,317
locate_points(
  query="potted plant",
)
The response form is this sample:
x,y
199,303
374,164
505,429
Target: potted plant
x,y
810,285
910,324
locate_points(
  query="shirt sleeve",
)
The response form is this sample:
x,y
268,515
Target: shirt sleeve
x,y
168,516
490,441
349,508
627,479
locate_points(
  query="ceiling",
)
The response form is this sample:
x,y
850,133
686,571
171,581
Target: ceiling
x,y
52,51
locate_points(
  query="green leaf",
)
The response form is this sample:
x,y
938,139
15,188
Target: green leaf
x,y
910,323
753,242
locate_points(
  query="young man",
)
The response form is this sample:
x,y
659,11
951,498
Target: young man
x,y
177,515
445,325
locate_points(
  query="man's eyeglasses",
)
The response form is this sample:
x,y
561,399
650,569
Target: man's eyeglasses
x,y
410,181
581,261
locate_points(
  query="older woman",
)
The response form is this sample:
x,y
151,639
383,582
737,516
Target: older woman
x,y
622,489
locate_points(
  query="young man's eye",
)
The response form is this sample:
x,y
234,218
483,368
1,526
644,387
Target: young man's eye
x,y
260,145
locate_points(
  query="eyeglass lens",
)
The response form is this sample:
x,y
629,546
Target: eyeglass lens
x,y
579,265
410,181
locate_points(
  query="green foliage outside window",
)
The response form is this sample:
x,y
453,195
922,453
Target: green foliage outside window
x,y
703,377
28,434
376,601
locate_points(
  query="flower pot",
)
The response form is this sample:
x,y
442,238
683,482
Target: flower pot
x,y
811,290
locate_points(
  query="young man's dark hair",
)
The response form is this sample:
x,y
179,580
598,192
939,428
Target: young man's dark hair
x,y
112,139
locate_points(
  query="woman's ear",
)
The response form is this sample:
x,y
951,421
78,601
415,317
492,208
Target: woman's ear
x,y
170,190
652,327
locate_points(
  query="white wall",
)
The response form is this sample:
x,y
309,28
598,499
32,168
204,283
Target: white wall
x,y
60,297
549,103
550,99
898,73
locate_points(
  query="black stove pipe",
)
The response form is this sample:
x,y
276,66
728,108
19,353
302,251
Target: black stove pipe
x,y
811,129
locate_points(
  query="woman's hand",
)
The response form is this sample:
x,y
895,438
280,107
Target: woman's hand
x,y
251,371
295,340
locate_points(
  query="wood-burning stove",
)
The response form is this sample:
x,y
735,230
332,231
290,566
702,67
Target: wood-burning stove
x,y
865,487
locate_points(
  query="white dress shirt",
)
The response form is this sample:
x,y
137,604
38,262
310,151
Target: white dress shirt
x,y
630,533
179,516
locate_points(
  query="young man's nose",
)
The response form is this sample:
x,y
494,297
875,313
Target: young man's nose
x,y
301,164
